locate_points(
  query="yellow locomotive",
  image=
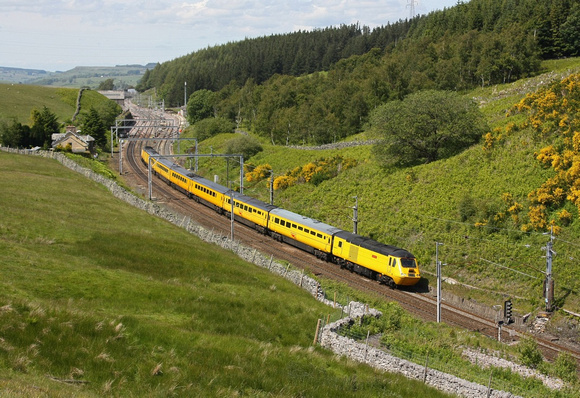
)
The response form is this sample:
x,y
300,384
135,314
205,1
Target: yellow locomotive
x,y
387,264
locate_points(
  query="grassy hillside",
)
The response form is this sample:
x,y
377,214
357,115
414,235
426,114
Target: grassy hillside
x,y
98,298
445,201
124,76
18,100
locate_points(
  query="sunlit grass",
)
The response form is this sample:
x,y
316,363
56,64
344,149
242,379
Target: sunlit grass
x,y
98,298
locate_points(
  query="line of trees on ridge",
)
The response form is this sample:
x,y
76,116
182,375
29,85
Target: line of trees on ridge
x,y
320,86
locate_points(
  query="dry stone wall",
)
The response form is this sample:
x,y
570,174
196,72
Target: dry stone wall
x,y
381,360
329,337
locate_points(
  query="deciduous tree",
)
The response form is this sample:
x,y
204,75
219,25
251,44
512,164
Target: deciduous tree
x,y
426,126
200,106
15,134
93,126
44,125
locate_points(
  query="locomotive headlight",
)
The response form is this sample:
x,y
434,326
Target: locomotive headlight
x,y
403,274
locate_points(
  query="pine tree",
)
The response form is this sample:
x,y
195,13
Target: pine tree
x,y
93,126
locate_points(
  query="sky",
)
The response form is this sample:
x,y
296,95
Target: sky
x,y
57,35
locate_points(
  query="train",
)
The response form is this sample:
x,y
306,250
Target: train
x,y
384,263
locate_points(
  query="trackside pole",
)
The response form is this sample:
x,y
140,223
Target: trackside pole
x,y
438,263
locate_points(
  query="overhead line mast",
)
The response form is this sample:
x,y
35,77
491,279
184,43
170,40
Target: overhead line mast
x,y
411,4
549,281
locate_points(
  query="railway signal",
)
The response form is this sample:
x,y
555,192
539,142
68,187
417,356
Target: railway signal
x,y
507,311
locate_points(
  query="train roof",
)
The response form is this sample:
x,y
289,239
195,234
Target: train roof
x,y
371,244
167,162
205,182
240,197
305,221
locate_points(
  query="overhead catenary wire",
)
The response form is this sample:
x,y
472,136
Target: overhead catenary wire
x,y
509,268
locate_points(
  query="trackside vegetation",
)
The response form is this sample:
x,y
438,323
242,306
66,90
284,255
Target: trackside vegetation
x,y
100,299
490,205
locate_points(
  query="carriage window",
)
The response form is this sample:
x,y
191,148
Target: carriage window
x,y
300,228
319,235
294,226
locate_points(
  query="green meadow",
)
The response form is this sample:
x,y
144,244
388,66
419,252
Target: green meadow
x,y
100,299
18,100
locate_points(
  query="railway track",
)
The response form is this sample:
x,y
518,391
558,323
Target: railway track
x,y
421,304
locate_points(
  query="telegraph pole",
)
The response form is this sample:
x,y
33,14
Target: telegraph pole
x,y
271,187
355,216
438,263
549,282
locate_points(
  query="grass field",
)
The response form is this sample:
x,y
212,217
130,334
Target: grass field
x,y
18,100
98,298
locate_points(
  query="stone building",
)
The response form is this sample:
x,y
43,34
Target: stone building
x,y
78,143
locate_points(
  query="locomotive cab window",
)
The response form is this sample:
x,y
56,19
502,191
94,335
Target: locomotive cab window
x,y
408,262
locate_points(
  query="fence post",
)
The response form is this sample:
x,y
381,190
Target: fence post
x,y
425,372
316,333
301,277
489,383
367,344
271,258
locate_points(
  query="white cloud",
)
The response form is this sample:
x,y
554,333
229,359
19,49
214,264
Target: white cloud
x,y
61,34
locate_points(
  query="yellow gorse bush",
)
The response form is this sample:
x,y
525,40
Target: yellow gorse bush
x,y
258,173
314,172
552,112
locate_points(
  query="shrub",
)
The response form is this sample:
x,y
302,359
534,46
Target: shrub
x,y
466,208
243,145
210,127
529,353
257,173
283,182
565,367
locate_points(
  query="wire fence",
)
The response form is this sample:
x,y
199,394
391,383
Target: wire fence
x,y
493,378
443,360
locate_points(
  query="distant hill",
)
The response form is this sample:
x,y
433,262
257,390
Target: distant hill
x,y
19,75
124,76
